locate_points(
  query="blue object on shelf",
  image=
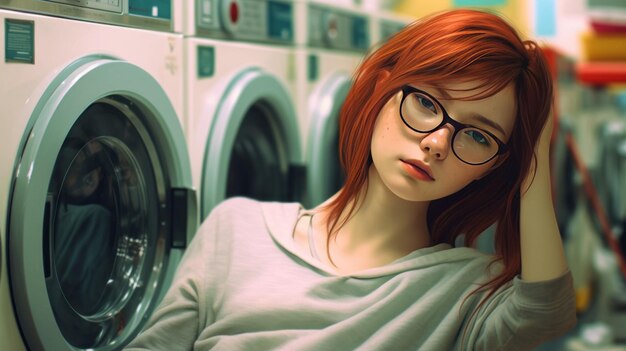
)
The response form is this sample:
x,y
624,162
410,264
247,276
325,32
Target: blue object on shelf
x,y
545,17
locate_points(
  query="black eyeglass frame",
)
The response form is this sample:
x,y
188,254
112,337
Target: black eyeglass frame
x,y
407,90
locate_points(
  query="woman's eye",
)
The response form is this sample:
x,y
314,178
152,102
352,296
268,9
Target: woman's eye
x,y
478,137
427,103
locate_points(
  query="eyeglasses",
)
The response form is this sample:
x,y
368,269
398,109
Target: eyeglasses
x,y
424,114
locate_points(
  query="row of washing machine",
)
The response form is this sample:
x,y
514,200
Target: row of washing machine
x,y
124,122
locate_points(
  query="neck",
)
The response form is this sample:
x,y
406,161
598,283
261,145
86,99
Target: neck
x,y
383,226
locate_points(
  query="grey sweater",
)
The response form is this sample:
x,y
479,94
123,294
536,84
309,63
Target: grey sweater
x,y
244,285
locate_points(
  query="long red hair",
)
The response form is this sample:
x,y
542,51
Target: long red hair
x,y
454,46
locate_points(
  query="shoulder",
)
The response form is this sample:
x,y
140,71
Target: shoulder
x,y
233,209
471,259
246,213
240,227
236,204
468,267
243,206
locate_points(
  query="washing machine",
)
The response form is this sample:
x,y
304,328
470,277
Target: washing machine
x,y
331,42
96,199
259,21
242,126
387,23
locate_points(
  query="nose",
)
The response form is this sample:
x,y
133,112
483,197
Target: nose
x,y
438,142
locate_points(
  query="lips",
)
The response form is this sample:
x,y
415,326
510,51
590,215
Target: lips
x,y
419,166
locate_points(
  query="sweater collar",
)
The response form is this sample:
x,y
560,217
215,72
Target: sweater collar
x,y
280,220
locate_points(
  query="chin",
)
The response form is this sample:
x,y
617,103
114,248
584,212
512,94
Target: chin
x,y
407,190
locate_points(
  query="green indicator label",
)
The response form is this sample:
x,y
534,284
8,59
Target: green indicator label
x,y
360,39
313,68
280,21
206,61
151,8
19,41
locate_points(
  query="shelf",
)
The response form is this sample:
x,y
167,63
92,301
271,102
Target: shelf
x,y
601,73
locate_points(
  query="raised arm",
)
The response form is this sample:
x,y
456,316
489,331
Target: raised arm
x,y
542,253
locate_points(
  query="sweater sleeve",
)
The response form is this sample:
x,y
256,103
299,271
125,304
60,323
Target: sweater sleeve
x,y
186,308
523,315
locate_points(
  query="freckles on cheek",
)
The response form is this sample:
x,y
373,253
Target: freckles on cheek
x,y
384,134
381,131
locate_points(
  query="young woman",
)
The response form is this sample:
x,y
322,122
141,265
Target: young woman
x,y
444,132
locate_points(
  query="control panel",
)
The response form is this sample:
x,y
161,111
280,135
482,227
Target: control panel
x,y
146,14
337,29
246,20
105,5
388,28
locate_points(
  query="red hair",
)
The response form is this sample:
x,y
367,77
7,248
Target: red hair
x,y
454,46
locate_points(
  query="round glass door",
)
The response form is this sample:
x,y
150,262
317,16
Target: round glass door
x,y
325,175
258,163
103,242
253,144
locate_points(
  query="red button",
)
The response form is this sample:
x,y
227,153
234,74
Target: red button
x,y
234,12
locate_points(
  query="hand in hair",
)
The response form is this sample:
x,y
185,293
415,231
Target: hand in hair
x,y
542,153
540,240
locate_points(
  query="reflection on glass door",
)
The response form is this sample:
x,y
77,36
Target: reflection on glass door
x,y
103,219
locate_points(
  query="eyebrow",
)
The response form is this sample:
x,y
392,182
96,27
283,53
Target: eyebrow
x,y
475,116
487,121
443,93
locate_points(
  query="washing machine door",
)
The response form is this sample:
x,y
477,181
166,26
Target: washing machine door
x,y
253,145
324,173
100,210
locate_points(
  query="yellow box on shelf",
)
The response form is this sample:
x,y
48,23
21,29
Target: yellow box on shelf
x,y
603,47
